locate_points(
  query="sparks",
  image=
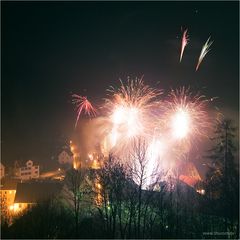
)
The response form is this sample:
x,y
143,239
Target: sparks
x,y
185,41
204,51
180,124
83,105
130,111
169,127
155,150
187,114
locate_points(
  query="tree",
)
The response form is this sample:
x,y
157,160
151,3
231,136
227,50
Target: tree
x,y
47,219
146,175
112,184
78,193
222,178
125,202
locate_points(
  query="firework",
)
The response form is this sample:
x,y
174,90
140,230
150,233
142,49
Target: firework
x,y
187,116
204,51
180,123
155,152
83,105
185,41
131,111
168,127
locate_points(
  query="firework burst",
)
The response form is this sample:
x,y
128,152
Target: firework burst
x,y
187,117
168,127
83,105
131,111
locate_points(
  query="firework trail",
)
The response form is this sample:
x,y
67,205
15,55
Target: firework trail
x,y
185,41
204,51
83,105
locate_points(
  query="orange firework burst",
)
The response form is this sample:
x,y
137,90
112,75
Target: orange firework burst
x,y
131,109
83,105
168,127
187,115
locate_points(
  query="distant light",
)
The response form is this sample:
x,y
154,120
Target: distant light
x,y
14,207
59,169
201,191
74,165
95,164
90,156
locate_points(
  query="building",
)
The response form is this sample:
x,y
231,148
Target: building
x,y
30,171
58,174
30,193
2,170
189,174
7,196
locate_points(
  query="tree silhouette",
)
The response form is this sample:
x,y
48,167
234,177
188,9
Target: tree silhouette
x,y
222,177
78,193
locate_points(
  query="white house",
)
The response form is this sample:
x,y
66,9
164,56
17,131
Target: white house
x,y
29,171
2,170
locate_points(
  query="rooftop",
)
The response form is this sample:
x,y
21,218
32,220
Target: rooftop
x,y
9,184
33,192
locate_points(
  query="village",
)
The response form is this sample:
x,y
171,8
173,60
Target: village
x,y
23,186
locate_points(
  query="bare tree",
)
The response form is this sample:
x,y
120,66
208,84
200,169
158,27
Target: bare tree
x,y
146,181
78,192
126,189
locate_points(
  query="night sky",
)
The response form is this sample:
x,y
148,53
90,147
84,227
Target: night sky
x,y
53,49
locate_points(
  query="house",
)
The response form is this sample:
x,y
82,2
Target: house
x,y
30,193
2,170
7,195
189,174
29,171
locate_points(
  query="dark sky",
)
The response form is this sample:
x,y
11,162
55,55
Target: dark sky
x,y
53,49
